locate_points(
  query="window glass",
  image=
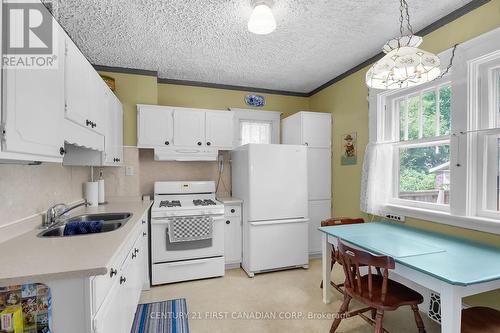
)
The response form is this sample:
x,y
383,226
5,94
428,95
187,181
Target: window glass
x,y
255,132
429,113
424,174
413,117
402,120
445,110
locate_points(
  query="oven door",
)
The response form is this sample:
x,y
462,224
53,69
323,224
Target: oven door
x,y
162,250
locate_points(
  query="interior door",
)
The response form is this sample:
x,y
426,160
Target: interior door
x,y
319,210
33,107
189,128
155,126
219,129
319,162
316,130
277,182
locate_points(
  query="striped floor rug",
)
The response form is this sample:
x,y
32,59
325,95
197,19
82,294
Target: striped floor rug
x,y
162,317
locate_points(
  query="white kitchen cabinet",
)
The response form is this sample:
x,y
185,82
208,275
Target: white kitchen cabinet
x,y
312,129
218,129
84,91
319,210
155,126
112,154
33,110
189,127
319,173
172,128
232,234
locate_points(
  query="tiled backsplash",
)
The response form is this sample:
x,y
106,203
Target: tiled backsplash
x,y
146,171
27,190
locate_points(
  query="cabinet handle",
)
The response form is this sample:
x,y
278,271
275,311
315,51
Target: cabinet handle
x,y
167,143
118,160
143,222
134,255
208,143
112,272
144,234
88,122
228,222
62,151
122,279
94,125
199,143
232,210
306,144
136,250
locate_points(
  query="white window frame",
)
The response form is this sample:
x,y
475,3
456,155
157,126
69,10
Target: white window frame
x,y
465,151
272,117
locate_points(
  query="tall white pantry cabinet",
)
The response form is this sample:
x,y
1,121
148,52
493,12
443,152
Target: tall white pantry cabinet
x,y
314,130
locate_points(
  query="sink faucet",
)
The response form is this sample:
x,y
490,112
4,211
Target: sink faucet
x,y
55,212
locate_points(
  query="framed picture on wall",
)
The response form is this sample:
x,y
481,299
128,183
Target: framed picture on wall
x,y
349,149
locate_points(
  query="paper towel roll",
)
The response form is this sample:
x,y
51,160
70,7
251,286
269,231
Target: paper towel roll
x,y
92,193
102,198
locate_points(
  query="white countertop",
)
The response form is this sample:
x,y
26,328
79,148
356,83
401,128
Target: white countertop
x,y
28,258
230,200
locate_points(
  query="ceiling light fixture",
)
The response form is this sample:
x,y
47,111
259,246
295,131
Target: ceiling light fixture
x,y
404,65
262,20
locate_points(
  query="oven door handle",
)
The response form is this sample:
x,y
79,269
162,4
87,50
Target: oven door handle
x,y
159,220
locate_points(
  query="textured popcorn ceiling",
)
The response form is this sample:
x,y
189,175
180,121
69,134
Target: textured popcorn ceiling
x,y
208,41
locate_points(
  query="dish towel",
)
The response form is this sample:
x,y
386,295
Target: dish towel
x,y
83,228
190,228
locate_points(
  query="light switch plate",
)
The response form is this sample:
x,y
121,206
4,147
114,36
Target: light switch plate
x,y
129,171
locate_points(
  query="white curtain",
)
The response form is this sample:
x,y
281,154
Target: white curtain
x,y
375,178
255,132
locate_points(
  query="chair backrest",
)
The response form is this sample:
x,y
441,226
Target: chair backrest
x,y
352,260
341,220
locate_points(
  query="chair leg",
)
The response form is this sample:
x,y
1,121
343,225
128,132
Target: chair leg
x,y
374,314
418,319
379,327
343,309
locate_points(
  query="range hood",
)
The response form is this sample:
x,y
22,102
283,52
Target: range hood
x,y
186,154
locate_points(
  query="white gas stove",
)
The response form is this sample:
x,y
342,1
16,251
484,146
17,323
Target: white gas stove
x,y
200,251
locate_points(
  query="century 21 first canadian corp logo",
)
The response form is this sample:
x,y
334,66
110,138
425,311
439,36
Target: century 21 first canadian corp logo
x,y
29,36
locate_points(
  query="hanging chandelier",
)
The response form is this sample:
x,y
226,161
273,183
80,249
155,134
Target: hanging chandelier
x,y
404,64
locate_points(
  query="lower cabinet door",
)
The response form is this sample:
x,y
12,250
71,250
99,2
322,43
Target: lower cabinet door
x,y
232,240
319,210
110,317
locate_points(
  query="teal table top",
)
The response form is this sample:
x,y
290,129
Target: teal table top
x,y
451,259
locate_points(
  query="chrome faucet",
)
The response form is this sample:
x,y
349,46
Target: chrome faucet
x,y
55,212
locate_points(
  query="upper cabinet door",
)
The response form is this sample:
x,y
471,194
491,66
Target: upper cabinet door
x,y
317,130
118,129
33,107
97,107
189,127
77,77
219,129
154,126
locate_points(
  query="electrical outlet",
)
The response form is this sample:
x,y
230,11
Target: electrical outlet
x,y
129,171
395,217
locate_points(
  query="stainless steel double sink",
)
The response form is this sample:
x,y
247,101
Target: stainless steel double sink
x,y
111,222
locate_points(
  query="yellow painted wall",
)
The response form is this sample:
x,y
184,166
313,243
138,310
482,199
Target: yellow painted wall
x,y
347,101
221,99
131,90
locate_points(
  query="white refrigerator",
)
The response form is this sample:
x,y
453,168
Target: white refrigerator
x,y
271,180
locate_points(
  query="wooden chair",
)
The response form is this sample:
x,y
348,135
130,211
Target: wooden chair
x,y
331,222
376,291
480,320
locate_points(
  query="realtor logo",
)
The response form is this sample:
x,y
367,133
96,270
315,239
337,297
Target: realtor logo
x,y
28,39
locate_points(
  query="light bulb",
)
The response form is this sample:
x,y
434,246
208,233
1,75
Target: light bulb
x,y
262,20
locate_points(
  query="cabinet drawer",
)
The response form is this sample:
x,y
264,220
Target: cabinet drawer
x,y
232,211
187,270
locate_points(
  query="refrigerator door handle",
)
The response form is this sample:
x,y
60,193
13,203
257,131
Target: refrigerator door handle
x,y
274,222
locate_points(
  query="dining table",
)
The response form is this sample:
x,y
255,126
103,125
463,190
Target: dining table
x,y
450,266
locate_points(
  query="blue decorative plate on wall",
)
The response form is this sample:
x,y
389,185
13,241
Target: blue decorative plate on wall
x,y
255,100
